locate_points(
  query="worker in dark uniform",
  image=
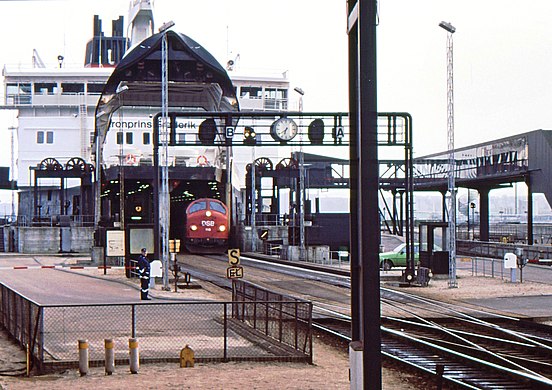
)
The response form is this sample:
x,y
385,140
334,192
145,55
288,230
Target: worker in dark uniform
x,y
144,274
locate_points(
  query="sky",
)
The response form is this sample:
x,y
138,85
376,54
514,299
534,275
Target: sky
x,y
502,54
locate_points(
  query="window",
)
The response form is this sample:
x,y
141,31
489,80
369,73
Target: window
x,y
129,138
119,138
275,98
68,88
217,206
44,88
197,207
275,93
40,137
18,93
146,138
251,92
94,88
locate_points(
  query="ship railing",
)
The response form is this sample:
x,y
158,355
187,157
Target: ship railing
x,y
54,220
260,102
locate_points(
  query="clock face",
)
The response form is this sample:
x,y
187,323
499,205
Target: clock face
x,y
284,129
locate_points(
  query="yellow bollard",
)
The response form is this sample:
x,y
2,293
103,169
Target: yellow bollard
x,y
134,355
109,357
83,357
28,365
186,357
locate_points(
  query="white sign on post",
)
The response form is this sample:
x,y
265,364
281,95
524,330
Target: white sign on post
x,y
115,243
156,269
234,257
510,260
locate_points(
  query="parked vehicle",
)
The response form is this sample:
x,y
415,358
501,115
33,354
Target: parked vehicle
x,y
397,257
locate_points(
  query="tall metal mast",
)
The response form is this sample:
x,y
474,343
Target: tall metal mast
x,y
12,172
164,196
452,283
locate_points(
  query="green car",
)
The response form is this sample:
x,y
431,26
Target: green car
x,y
397,257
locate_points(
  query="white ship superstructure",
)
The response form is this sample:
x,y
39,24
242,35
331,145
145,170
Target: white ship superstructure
x,y
56,109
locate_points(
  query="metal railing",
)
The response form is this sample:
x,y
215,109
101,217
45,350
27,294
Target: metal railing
x,y
497,250
216,331
55,220
276,316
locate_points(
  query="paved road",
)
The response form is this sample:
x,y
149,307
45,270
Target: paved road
x,y
60,286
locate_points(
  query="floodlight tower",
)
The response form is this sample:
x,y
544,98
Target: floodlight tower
x,y
452,283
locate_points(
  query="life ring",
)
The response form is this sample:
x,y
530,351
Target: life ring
x,y
130,159
202,161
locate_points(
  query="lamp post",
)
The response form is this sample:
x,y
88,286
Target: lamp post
x,y
12,171
452,163
302,251
472,209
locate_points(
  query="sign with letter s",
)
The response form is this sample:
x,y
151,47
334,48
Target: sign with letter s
x,y
233,257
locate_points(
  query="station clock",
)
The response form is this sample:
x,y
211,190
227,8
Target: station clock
x,y
283,129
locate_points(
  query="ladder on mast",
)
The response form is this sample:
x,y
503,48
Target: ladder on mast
x,y
85,137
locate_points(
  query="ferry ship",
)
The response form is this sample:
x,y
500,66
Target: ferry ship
x,y
56,128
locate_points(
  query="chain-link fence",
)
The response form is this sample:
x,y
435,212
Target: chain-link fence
x,y
216,331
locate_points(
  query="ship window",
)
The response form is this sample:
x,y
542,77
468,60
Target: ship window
x,y
119,138
275,98
146,138
39,137
18,88
44,88
94,88
129,138
18,93
72,88
275,93
49,137
251,92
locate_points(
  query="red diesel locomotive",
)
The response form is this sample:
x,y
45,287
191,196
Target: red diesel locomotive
x,y
207,227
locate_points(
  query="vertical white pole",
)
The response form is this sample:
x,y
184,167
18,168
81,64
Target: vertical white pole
x,y
83,357
109,356
164,198
134,355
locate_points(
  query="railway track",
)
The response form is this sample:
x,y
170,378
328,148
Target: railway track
x,y
463,346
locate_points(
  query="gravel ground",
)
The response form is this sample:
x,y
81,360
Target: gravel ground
x,y
329,371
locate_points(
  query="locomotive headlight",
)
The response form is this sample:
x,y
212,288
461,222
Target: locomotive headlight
x,y
208,213
193,228
222,228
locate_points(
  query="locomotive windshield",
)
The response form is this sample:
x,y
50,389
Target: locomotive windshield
x,y
197,207
216,206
